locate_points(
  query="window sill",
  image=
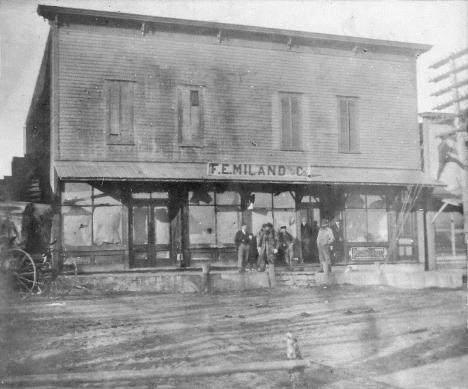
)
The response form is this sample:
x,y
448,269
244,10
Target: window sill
x,y
349,152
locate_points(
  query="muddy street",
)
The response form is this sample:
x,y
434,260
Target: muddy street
x,y
355,337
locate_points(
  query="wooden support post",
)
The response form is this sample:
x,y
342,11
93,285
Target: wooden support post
x,y
296,375
206,276
271,275
430,235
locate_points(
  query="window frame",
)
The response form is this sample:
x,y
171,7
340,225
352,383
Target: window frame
x,y
352,135
120,136
90,204
184,102
292,132
365,209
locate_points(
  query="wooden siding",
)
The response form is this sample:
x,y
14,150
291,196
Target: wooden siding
x,y
240,90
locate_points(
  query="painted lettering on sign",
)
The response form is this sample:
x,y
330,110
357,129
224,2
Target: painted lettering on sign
x,y
247,169
368,252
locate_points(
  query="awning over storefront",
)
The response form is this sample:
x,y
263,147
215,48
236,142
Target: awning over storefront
x,y
156,171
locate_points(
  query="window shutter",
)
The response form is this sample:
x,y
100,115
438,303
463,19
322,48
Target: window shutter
x,y
353,126
126,110
285,123
184,114
344,126
296,130
194,115
276,121
114,110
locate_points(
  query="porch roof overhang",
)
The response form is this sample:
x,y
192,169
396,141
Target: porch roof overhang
x,y
199,172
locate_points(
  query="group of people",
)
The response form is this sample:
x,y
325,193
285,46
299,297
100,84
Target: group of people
x,y
255,252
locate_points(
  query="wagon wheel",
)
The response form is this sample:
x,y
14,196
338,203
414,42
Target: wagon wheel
x,y
61,283
23,270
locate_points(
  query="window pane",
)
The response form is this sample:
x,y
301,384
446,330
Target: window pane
x,y
202,224
458,219
296,127
110,198
228,220
159,195
228,198
76,193
114,108
76,226
126,108
284,200
354,200
405,222
344,125
141,195
377,225
194,98
286,218
353,125
162,224
263,200
200,197
376,201
140,225
356,229
260,217
107,225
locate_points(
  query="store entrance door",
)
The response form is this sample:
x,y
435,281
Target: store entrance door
x,y
150,242
311,212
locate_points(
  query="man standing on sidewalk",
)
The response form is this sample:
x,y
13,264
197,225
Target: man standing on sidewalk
x,y
286,241
324,239
242,243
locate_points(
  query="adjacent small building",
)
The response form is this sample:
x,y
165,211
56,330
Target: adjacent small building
x,y
155,138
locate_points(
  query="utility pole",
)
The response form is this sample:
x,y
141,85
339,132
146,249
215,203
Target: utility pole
x,y
452,86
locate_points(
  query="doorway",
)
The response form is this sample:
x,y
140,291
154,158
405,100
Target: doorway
x,y
150,235
310,210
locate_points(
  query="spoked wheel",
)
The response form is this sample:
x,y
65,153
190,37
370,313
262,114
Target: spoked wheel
x,y
61,283
23,270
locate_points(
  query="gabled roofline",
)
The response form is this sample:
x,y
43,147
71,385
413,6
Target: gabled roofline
x,y
50,13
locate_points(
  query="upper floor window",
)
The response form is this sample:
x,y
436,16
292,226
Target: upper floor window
x,y
291,121
120,101
349,131
190,115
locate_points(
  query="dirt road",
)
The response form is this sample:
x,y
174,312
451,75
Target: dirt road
x,y
356,337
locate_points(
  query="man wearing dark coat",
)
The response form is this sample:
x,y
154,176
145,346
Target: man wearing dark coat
x,y
242,242
267,246
306,240
286,241
338,244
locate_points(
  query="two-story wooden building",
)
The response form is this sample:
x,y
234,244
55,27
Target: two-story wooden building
x,y
155,138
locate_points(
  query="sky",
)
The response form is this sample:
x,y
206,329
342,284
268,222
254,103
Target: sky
x,y
23,34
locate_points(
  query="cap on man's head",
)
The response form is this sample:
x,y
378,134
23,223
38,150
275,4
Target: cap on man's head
x,y
283,228
269,225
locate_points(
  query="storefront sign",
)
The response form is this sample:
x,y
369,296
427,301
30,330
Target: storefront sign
x,y
249,170
368,253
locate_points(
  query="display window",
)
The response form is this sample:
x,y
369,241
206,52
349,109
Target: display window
x,y
91,216
214,218
366,218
